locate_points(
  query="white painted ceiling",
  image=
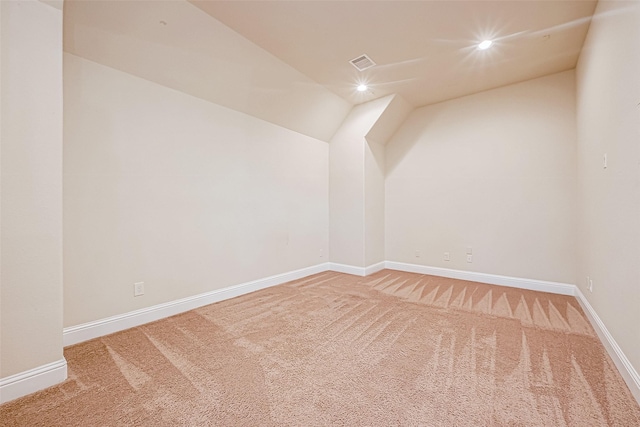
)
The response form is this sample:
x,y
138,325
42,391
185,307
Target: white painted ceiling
x,y
425,50
179,46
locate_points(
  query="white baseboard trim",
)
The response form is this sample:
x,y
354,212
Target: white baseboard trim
x,y
347,269
626,369
357,271
374,268
36,379
86,331
45,376
493,279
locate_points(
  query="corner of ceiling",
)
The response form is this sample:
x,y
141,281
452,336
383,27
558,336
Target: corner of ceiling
x,y
390,120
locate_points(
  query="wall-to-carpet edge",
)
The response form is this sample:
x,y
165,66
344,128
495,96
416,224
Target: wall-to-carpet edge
x,y
27,382
42,377
392,348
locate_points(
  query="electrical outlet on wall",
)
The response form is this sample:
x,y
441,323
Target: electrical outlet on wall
x,y
590,285
469,258
447,257
138,289
321,253
417,254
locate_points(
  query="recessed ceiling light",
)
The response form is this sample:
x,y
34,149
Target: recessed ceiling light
x,y
486,44
362,87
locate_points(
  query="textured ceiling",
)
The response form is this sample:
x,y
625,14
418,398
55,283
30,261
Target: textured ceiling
x,y
425,50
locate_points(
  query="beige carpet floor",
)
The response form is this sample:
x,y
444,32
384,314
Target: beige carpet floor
x,y
391,349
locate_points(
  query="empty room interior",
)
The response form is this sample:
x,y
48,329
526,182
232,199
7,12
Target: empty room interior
x,y
320,213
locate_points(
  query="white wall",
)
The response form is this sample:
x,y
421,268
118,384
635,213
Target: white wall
x,y
373,202
180,193
178,45
349,159
494,171
608,111
31,195
356,181
394,114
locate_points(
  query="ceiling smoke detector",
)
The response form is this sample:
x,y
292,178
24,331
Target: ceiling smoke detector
x,y
362,62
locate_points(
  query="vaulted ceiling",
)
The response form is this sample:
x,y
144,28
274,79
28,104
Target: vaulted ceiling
x,y
287,62
425,50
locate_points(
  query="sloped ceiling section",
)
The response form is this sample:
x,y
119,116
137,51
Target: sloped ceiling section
x,y
425,51
176,44
390,120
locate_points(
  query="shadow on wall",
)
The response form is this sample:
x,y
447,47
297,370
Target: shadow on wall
x,y
409,134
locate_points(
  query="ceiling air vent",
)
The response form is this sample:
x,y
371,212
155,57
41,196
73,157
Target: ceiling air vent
x,y
362,62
